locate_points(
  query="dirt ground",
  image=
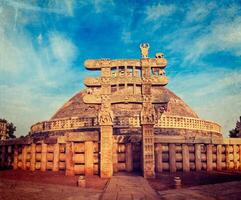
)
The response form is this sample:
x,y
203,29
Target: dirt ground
x,y
50,177
165,180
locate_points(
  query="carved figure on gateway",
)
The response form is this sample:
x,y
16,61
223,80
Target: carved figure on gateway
x,y
144,50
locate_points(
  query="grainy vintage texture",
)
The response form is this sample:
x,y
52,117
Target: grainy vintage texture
x,y
125,120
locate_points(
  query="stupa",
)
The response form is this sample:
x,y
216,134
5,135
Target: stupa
x,y
128,103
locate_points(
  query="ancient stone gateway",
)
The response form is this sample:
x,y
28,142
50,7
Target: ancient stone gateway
x,y
105,90
124,120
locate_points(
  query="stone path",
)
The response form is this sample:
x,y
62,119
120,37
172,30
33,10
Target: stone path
x,y
129,188
25,190
221,191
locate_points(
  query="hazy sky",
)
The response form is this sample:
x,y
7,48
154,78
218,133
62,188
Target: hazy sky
x,y
43,44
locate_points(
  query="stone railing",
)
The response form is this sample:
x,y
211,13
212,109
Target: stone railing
x,y
119,121
76,155
64,124
187,123
179,154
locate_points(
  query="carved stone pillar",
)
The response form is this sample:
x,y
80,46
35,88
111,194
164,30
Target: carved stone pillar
x,y
147,120
105,118
106,163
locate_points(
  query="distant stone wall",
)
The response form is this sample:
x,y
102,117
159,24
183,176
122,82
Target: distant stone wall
x,y
74,153
79,153
180,154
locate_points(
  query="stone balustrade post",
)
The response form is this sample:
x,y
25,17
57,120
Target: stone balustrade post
x,y
3,156
209,157
33,157
158,156
24,157
240,157
115,156
56,158
235,157
172,157
185,158
43,157
129,158
219,157
198,161
227,156
69,159
15,157
89,158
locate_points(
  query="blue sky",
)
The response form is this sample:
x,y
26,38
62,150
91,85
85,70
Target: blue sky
x,y
43,44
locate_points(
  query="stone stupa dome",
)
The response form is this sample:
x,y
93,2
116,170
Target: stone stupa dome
x,y
75,106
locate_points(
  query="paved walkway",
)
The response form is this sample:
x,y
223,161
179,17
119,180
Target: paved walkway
x,y
129,188
26,190
221,191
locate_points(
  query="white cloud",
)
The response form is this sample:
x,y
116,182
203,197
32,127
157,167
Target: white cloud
x,y
155,12
100,5
126,36
62,49
214,94
222,33
64,7
32,77
198,11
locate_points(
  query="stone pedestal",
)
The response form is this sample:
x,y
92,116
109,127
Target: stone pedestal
x,y
106,163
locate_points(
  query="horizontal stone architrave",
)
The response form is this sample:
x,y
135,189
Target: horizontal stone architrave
x,y
189,140
16,141
82,136
105,63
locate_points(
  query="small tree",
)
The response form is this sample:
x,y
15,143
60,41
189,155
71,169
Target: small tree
x,y
234,133
10,130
